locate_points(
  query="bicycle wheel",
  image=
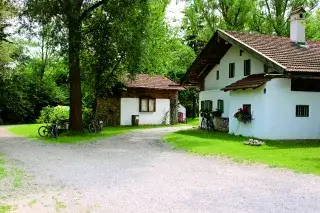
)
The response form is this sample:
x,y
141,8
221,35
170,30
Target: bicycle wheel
x,y
92,128
43,131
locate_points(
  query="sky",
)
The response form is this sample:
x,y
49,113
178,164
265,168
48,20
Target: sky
x,y
174,13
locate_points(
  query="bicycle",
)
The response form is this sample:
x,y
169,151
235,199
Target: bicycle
x,y
43,131
54,130
207,121
49,130
95,126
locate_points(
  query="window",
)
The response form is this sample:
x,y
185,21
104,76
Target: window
x,y
241,52
302,111
220,106
206,105
247,107
218,75
147,105
306,85
231,70
247,67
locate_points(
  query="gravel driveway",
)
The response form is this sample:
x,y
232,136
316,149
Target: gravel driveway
x,y
137,172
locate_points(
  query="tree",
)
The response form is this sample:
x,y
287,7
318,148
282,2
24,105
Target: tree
x,y
235,13
71,13
112,47
313,23
277,12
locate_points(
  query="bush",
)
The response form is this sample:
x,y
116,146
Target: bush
x,y
50,114
86,116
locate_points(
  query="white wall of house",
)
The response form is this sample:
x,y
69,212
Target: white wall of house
x,y
282,122
214,96
212,86
257,99
274,112
130,106
232,56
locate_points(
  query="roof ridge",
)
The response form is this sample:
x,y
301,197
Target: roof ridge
x,y
266,35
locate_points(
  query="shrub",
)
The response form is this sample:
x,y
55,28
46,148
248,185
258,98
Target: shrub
x,y
50,114
86,116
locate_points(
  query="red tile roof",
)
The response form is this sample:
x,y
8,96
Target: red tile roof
x,y
153,82
252,81
293,57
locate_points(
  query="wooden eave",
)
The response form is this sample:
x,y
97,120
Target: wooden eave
x,y
208,58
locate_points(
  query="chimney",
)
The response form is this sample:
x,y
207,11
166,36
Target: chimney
x,y
298,26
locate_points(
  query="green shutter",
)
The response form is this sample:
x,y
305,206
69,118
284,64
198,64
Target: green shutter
x,y
221,106
202,105
210,105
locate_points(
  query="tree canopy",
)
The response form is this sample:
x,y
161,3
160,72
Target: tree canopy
x,y
73,52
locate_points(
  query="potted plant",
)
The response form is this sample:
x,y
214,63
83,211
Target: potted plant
x,y
243,115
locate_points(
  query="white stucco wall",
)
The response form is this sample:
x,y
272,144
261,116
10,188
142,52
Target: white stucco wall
x,y
130,106
257,99
212,86
214,96
274,112
232,56
282,122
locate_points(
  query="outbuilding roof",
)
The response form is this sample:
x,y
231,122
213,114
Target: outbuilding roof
x,y
157,82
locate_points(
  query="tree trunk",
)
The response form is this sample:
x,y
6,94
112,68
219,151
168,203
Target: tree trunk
x,y
75,80
174,111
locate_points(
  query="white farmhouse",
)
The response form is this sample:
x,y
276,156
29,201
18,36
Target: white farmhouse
x,y
151,99
276,78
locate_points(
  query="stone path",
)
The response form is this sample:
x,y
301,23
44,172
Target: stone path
x,y
137,172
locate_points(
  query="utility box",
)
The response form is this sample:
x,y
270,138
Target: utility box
x,y
135,120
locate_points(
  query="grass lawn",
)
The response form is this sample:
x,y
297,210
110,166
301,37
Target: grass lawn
x,y
31,131
298,156
193,122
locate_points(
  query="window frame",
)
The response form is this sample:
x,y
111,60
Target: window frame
x,y
148,104
246,68
232,68
302,111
